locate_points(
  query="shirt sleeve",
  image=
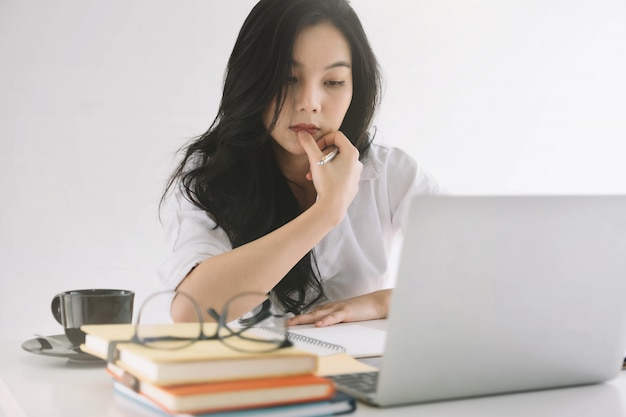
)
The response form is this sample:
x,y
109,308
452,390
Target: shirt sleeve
x,y
190,237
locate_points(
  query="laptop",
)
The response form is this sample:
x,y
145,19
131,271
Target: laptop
x,y
499,294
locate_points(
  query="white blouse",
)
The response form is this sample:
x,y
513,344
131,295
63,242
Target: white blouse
x,y
353,258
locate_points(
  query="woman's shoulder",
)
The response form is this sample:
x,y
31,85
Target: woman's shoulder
x,y
384,152
381,154
385,160
395,165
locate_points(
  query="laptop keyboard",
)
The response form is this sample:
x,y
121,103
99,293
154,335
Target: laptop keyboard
x,y
364,382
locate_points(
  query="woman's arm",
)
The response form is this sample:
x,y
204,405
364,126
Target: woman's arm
x,y
370,306
261,264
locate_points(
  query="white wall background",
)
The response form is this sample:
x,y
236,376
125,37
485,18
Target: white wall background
x,y
491,96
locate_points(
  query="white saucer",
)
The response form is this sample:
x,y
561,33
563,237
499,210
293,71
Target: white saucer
x,y
62,349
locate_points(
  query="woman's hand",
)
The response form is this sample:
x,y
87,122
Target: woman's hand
x,y
336,182
370,306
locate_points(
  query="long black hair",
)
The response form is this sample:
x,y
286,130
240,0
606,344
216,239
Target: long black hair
x,y
230,171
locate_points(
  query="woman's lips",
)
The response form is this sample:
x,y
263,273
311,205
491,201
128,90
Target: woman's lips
x,y
312,129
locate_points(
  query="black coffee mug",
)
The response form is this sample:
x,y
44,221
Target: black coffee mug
x,y
74,308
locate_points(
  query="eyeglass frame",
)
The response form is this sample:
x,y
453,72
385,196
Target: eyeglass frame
x,y
220,319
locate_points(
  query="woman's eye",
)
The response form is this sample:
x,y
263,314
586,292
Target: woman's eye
x,y
334,83
292,80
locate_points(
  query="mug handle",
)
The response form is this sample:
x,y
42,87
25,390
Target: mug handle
x,y
55,306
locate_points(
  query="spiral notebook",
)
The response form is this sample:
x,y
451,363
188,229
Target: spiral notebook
x,y
356,340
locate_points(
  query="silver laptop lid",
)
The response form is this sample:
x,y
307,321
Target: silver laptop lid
x,y
509,293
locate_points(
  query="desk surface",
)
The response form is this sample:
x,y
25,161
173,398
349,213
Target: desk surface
x,y
33,386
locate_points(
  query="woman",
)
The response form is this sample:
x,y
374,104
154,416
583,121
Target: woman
x,y
255,208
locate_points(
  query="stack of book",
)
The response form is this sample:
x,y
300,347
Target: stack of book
x,y
207,378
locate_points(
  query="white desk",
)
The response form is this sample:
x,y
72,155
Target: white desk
x,y
35,386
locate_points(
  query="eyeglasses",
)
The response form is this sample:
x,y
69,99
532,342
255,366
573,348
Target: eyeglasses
x,y
257,331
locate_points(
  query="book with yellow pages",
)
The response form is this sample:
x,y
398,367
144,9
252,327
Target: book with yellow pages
x,y
202,361
228,395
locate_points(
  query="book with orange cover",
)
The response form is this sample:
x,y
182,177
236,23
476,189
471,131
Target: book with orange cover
x,y
339,404
229,395
202,361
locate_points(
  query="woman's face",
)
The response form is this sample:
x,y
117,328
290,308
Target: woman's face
x,y
319,90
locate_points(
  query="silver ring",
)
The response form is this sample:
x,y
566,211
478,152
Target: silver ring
x,y
328,157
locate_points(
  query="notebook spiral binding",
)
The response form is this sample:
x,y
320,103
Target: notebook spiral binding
x,y
299,339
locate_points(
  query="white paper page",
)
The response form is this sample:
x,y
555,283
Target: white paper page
x,y
358,340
